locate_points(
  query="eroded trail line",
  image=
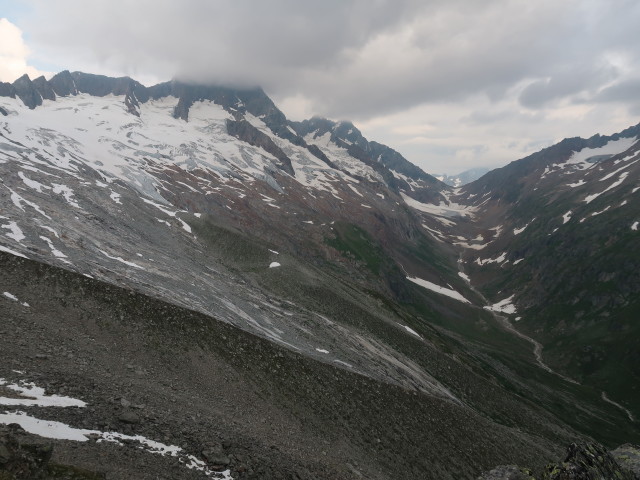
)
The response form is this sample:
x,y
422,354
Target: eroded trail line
x,y
616,404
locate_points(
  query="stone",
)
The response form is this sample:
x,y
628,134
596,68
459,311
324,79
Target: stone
x,y
588,461
507,472
628,456
129,418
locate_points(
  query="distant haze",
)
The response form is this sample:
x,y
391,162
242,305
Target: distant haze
x,y
451,85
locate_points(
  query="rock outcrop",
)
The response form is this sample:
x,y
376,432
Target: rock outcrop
x,y
588,461
24,456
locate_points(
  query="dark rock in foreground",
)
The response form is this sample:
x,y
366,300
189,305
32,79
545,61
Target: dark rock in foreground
x,y
28,457
583,462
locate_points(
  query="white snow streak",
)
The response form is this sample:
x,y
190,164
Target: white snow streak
x,y
15,232
438,289
120,259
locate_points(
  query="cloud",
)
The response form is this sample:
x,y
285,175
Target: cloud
x,y
14,54
429,78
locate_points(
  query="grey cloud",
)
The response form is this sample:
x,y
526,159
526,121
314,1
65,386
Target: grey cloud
x,y
627,91
354,59
567,82
483,117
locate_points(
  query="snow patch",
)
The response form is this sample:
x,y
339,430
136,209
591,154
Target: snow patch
x,y
56,253
274,265
438,289
121,260
66,192
12,252
499,259
579,183
184,224
634,226
35,396
410,330
590,198
503,306
11,296
115,197
518,231
37,186
14,232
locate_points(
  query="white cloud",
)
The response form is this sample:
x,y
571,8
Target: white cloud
x,y
14,54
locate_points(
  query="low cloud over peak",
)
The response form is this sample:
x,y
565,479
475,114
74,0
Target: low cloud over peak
x,y
540,63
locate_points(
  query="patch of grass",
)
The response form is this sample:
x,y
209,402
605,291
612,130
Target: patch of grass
x,y
355,243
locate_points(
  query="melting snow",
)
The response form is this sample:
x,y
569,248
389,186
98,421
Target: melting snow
x,y
12,297
578,184
15,299
185,226
274,265
634,226
120,259
49,229
410,330
35,396
464,276
37,186
609,175
504,306
66,192
322,350
12,252
56,253
590,198
443,210
18,201
518,231
500,259
438,289
115,197
15,232
611,148
566,217
159,207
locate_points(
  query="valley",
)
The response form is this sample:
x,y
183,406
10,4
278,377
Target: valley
x,y
286,299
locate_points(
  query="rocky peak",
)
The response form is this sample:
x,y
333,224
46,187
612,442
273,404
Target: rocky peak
x,y
27,92
7,90
63,84
44,88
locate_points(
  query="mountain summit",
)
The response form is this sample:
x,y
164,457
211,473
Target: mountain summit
x,y
190,272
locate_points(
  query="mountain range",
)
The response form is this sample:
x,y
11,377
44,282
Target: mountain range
x,y
279,299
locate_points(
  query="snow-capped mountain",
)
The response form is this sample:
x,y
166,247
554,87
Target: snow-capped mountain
x,y
309,248
462,178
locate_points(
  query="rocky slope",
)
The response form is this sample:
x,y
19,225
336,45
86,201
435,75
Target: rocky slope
x,y
273,299
556,236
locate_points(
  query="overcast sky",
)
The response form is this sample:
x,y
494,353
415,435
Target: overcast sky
x,y
450,84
